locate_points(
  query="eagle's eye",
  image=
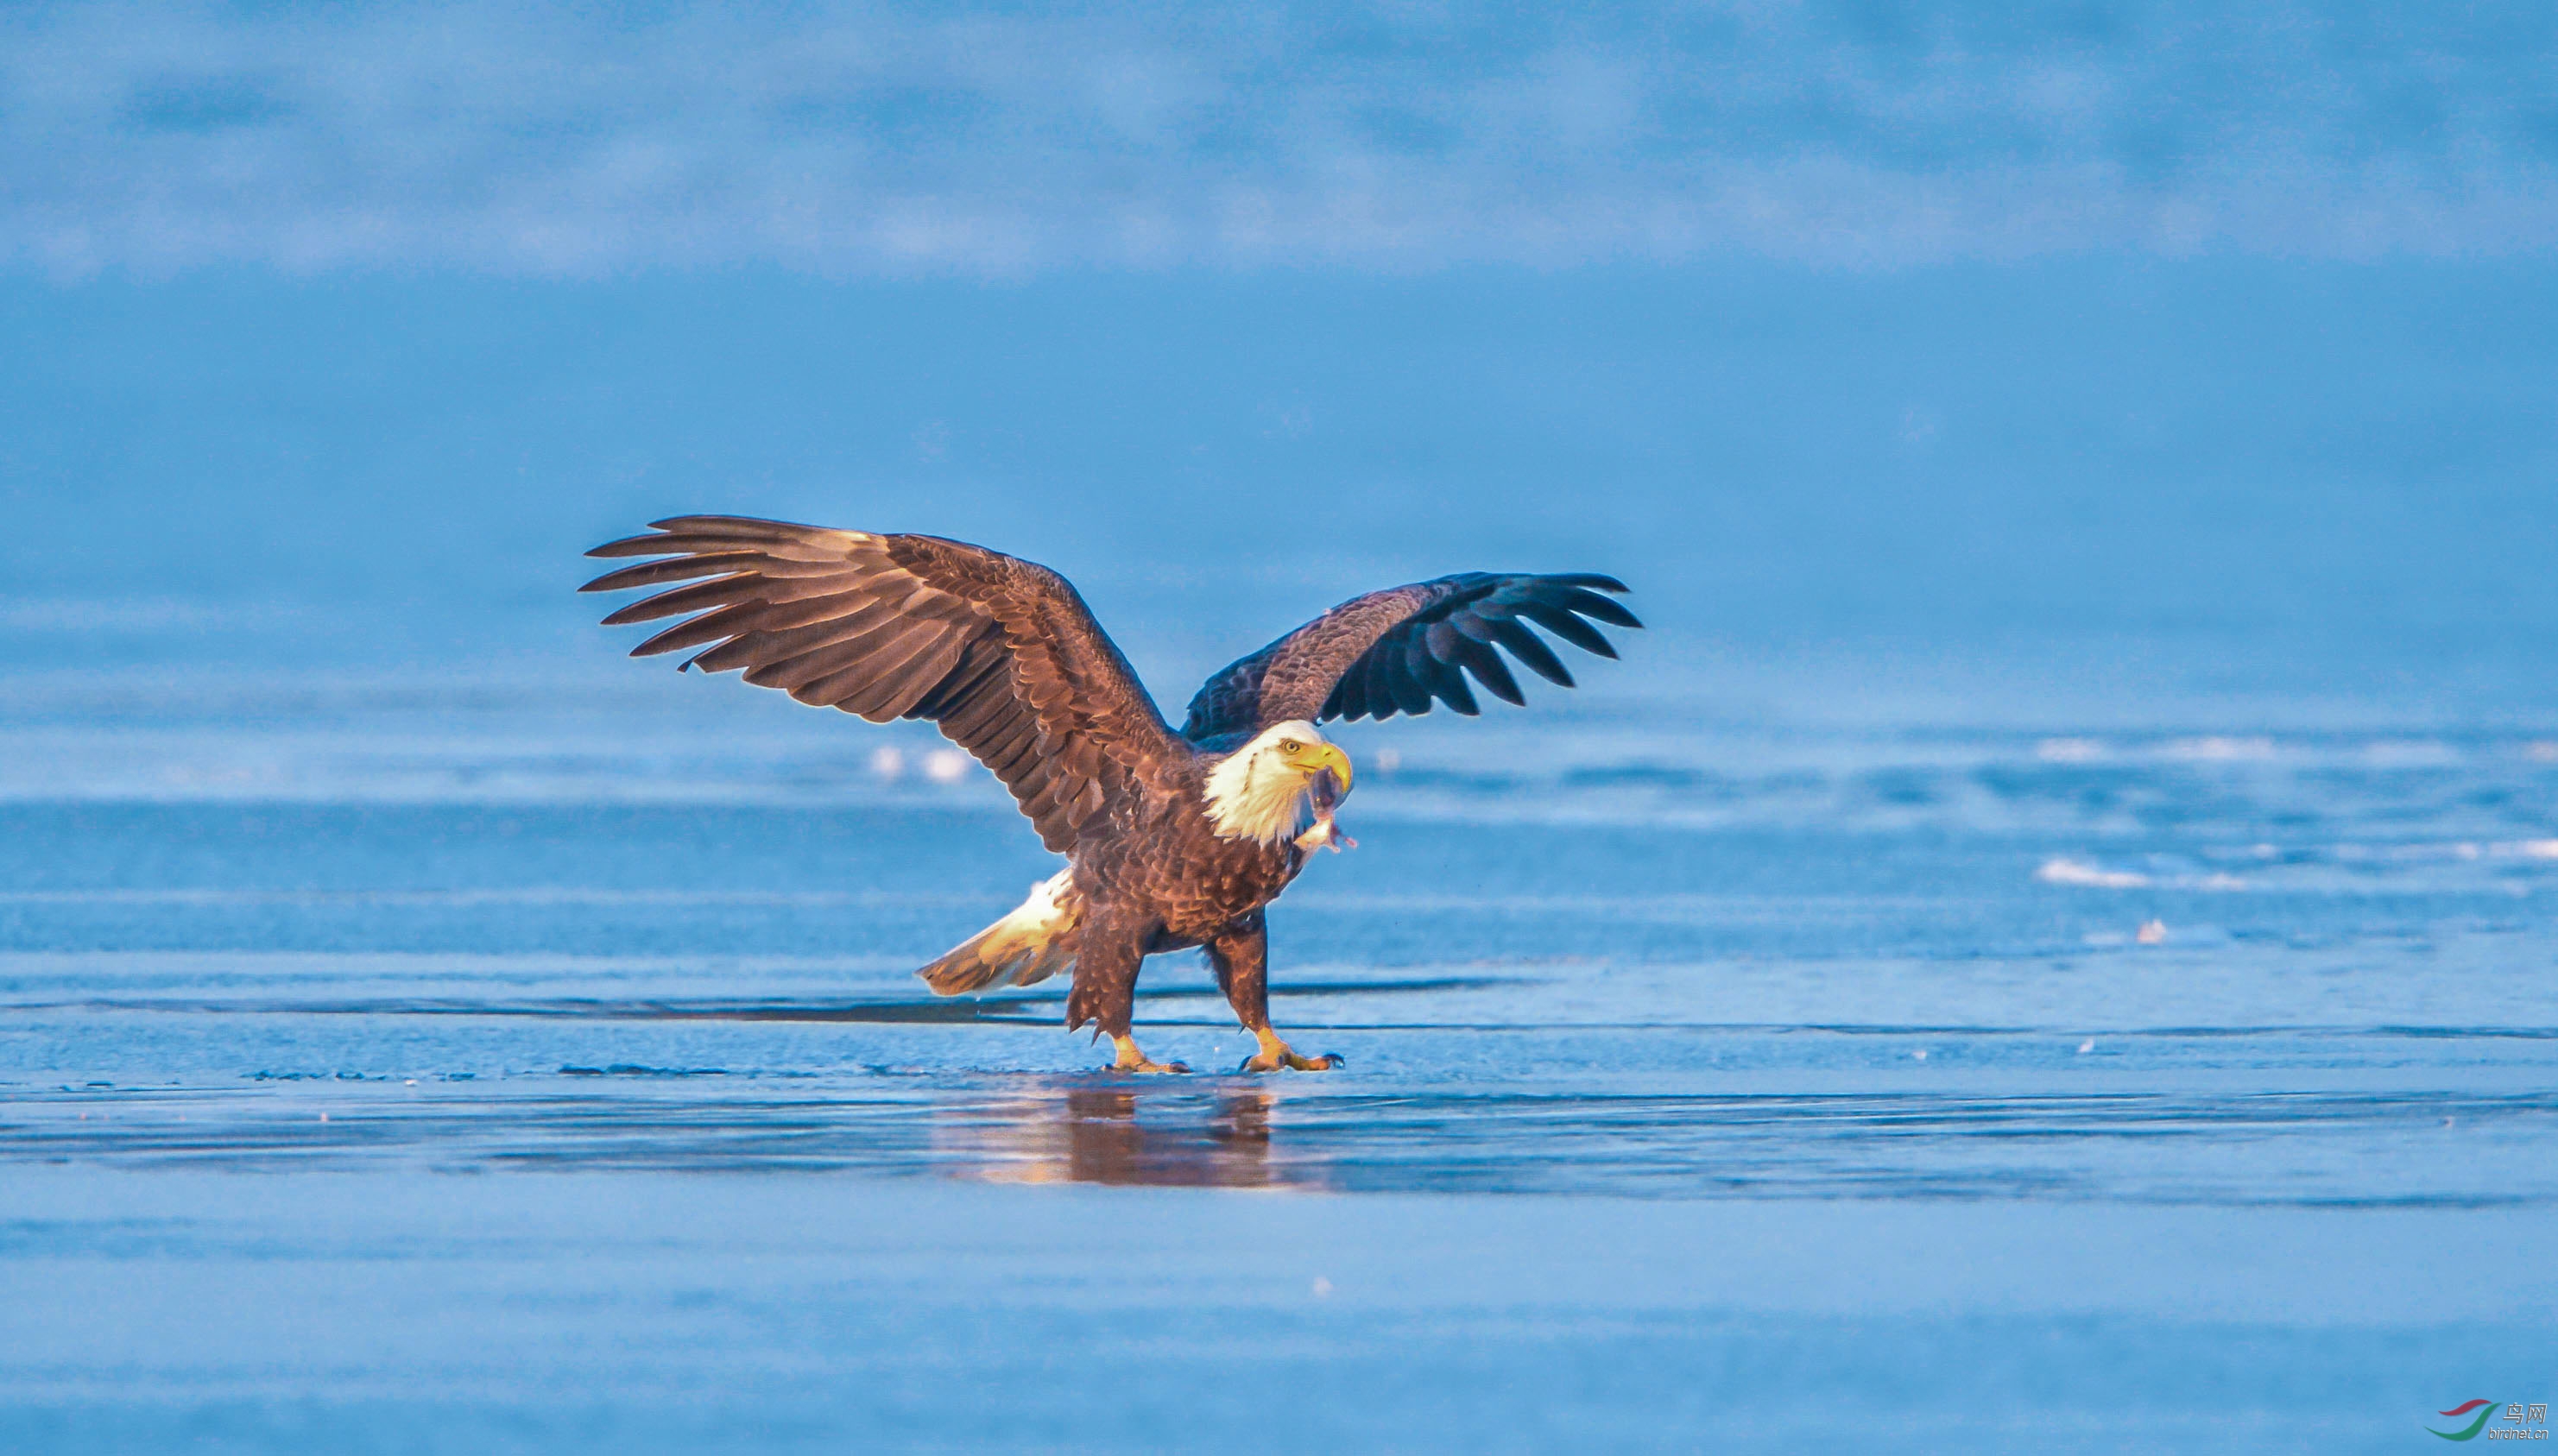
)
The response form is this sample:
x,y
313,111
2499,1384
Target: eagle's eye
x,y
1289,745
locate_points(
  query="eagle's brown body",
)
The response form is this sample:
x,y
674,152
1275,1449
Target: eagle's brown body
x,y
1166,852
1171,884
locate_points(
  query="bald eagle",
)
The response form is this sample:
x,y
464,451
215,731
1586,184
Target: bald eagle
x,y
1171,840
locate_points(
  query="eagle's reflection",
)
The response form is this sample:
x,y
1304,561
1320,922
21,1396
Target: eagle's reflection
x,y
1109,1134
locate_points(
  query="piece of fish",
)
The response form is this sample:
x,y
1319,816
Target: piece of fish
x,y
1326,794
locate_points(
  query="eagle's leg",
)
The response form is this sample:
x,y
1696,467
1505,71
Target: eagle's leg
x,y
1240,955
1105,991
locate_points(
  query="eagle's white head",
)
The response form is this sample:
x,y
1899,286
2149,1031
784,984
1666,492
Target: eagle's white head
x,y
1259,791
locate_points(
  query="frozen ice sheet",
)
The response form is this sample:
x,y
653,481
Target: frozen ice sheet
x,y
405,1310
1689,1106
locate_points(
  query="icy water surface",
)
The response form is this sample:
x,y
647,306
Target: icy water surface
x,y
510,1066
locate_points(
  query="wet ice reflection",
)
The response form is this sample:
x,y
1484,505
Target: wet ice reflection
x,y
1123,1136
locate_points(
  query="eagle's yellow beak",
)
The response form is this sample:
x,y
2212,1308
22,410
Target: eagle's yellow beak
x,y
1313,758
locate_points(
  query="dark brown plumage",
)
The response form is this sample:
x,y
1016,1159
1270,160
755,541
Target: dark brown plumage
x,y
1395,651
1173,841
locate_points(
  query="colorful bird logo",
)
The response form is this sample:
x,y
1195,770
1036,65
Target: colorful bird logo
x,y
2485,1408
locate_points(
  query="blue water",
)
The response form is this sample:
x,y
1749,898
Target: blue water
x,y
505,1061
999,139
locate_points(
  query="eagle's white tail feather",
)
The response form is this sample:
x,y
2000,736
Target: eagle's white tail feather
x,y
1030,945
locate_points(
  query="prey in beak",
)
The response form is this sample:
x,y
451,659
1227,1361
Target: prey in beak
x,y
1328,791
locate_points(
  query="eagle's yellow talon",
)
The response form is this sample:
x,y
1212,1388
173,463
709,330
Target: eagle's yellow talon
x,y
1276,1055
1132,1060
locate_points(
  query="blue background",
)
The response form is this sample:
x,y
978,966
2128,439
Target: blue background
x,y
2045,943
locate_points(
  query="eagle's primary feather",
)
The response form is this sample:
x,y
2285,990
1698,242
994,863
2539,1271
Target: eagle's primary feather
x,y
1171,840
1398,650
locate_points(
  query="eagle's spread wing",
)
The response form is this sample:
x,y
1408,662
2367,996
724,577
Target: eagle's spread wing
x,y
1001,654
1394,651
